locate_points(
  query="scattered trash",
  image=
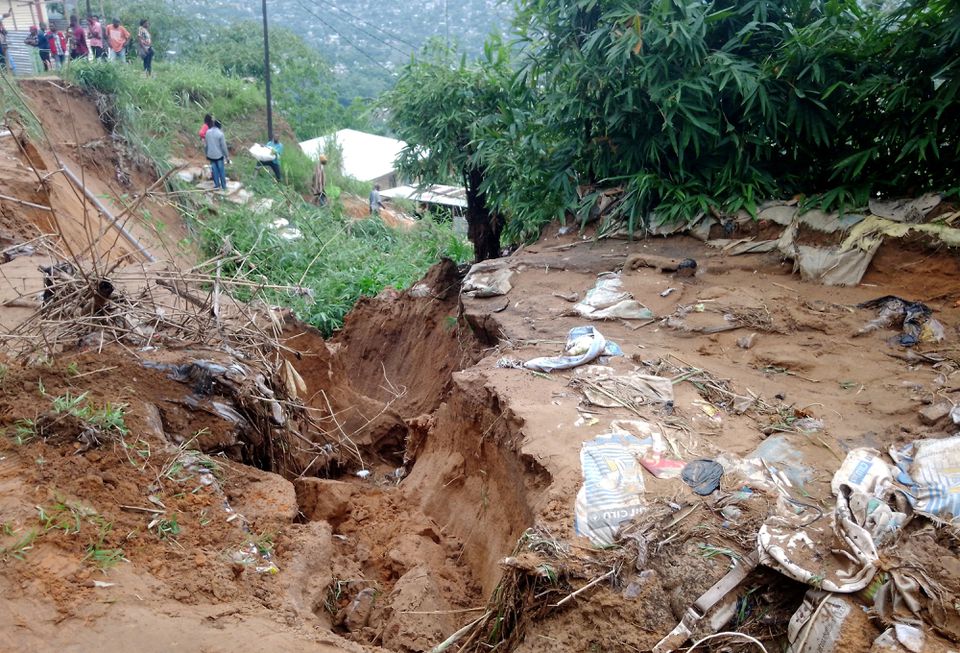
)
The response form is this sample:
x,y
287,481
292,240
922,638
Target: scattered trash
x,y
666,293
808,425
488,280
783,461
613,487
584,344
914,318
747,342
363,473
823,622
712,606
702,475
571,297
658,456
356,615
865,471
607,300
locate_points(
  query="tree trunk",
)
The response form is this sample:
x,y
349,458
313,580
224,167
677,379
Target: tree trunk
x,y
483,227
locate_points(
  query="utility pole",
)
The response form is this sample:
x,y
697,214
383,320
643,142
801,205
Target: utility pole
x,y
446,22
266,72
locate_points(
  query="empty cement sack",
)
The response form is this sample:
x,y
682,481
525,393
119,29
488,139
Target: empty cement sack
x,y
488,280
613,488
607,300
829,623
930,470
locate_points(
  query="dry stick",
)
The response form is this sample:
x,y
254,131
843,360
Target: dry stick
x,y
583,589
450,641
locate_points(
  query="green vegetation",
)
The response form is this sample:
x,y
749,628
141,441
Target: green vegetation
x,y
151,113
107,419
335,261
303,84
693,107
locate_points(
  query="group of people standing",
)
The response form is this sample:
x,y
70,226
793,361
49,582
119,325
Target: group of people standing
x,y
101,42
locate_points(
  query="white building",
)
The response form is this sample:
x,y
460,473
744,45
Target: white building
x,y
366,157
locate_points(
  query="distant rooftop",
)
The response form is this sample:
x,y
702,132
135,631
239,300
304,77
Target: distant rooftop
x,y
437,194
365,156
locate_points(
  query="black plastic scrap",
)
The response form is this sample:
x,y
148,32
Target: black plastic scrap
x,y
702,475
896,312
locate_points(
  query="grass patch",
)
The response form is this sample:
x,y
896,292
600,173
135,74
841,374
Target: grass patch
x,y
336,261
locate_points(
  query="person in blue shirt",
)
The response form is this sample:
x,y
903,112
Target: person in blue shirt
x,y
274,165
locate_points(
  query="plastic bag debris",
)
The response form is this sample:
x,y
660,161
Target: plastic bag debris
x,y
821,623
657,454
607,300
485,280
836,554
864,470
613,487
930,469
584,344
784,461
703,476
914,318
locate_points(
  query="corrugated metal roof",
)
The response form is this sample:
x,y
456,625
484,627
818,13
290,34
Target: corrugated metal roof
x,y
24,57
436,194
365,156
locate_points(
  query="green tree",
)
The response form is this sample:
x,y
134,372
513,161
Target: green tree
x,y
442,107
303,85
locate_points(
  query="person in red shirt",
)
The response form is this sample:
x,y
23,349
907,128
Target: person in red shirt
x,y
95,37
79,50
58,46
207,124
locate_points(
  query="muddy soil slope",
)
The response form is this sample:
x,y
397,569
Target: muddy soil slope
x,y
439,477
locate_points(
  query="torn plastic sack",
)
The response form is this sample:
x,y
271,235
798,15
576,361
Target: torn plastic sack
x,y
484,280
824,623
930,469
914,318
603,387
834,266
797,548
866,471
584,344
738,246
607,300
659,455
613,488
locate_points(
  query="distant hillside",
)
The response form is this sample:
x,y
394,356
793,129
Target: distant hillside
x,y
366,41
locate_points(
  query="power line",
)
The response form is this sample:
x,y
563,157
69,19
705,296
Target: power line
x,y
354,45
374,37
374,26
